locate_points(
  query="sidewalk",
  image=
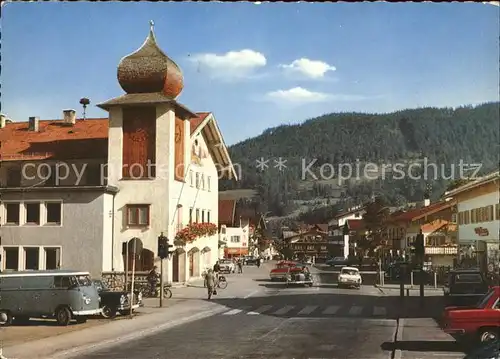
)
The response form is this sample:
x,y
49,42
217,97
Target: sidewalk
x,y
409,286
152,320
46,339
422,339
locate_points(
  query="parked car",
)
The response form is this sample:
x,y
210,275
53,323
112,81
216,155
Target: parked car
x,y
251,261
349,277
480,322
338,262
61,294
280,272
227,266
113,302
465,287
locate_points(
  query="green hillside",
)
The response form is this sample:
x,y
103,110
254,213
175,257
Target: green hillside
x,y
443,136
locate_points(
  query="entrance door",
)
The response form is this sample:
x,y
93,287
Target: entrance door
x,y
191,264
175,267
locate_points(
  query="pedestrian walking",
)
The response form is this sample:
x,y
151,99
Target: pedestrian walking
x,y
240,266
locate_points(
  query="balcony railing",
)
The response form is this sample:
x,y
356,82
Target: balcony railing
x,y
441,250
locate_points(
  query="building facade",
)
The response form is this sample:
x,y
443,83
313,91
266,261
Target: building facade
x,y
478,222
153,169
437,223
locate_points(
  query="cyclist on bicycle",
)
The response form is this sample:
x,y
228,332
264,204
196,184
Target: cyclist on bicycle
x,y
216,270
153,279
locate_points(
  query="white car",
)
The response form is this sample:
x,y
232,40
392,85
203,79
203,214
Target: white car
x,y
227,266
349,277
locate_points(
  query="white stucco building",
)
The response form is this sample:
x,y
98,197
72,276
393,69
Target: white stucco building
x,y
152,167
236,240
478,220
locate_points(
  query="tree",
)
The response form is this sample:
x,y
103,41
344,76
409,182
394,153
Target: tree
x,y
375,218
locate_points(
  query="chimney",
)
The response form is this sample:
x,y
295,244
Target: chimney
x,y
69,117
427,202
3,120
34,123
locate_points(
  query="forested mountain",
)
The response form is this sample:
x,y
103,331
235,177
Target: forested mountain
x,y
424,136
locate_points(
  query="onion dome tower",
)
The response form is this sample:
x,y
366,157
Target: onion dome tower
x,y
150,70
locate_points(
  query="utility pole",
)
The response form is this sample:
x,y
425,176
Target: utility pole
x,y
420,251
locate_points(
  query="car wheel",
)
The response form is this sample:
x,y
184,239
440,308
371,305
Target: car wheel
x,y
108,312
63,316
5,318
488,334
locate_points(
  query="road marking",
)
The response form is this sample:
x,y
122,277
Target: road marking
x,y
308,310
233,312
251,294
379,311
236,311
355,310
284,310
331,309
260,310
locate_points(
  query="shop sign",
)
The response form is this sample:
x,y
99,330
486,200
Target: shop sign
x,y
481,231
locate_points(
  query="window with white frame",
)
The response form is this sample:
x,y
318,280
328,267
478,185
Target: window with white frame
x,y
52,257
208,216
197,180
191,179
11,258
202,184
53,211
32,212
12,215
31,258
202,216
235,239
208,183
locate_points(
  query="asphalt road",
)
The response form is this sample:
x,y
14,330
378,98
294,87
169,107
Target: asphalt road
x,y
268,320
277,323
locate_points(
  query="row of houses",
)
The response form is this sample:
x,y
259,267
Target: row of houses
x,y
461,229
75,191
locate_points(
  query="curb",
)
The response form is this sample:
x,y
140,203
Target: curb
x,y
89,348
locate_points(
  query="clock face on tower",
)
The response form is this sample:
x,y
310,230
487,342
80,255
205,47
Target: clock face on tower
x,y
177,133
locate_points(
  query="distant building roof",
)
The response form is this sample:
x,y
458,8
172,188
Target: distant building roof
x,y
226,212
417,213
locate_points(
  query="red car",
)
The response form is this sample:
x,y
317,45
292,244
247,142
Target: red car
x,y
280,272
480,322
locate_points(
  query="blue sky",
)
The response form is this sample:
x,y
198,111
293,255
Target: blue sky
x,y
254,66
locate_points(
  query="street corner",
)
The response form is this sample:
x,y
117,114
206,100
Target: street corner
x,y
35,330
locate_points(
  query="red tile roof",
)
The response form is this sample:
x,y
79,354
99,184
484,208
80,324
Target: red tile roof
x,y
418,212
86,139
226,211
355,224
196,122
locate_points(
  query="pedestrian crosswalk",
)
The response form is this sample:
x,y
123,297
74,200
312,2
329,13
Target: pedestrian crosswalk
x,y
310,311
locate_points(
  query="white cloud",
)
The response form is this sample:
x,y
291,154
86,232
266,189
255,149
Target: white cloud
x,y
232,64
301,95
310,68
297,94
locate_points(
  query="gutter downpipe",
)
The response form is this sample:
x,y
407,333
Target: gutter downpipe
x,y
113,233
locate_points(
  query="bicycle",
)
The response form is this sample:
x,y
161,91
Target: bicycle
x,y
149,292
